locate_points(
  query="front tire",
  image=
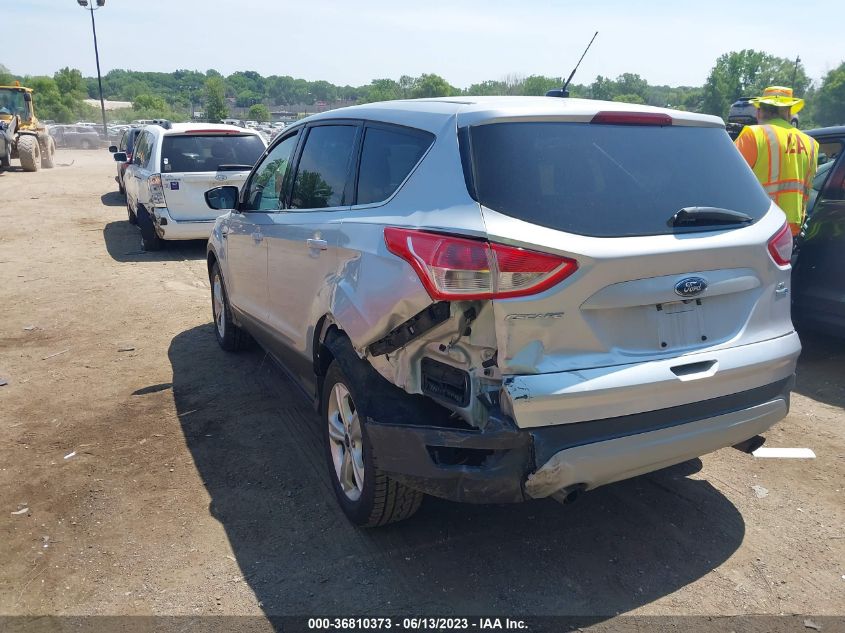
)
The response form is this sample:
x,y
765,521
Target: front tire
x,y
367,495
229,336
29,152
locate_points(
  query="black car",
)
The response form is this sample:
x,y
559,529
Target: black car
x,y
818,280
127,145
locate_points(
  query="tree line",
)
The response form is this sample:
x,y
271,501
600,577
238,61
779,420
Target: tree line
x,y
177,94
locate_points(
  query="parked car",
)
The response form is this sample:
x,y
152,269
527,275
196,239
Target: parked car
x,y
173,166
818,281
127,146
497,299
744,112
74,136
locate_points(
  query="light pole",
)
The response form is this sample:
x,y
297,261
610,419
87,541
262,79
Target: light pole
x,y
100,4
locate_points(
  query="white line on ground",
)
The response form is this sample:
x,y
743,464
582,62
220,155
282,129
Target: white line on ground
x,y
785,453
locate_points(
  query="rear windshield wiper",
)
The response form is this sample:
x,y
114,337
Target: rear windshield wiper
x,y
708,216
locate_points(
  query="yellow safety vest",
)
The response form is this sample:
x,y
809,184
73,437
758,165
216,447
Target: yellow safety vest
x,y
784,162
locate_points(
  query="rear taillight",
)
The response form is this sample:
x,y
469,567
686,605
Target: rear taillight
x,y
632,118
453,268
156,190
780,246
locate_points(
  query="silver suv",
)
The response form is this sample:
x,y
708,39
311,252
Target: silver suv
x,y
497,299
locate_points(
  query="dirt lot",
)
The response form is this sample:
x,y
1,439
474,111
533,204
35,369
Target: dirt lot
x,y
164,476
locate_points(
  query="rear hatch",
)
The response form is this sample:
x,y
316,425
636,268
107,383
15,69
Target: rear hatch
x,y
646,288
191,165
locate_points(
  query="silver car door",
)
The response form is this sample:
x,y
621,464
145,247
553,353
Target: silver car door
x,y
303,239
248,228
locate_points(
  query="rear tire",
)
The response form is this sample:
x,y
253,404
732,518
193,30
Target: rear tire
x,y
133,219
48,157
229,336
367,495
29,152
149,239
6,160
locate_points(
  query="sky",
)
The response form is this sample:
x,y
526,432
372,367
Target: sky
x,y
469,41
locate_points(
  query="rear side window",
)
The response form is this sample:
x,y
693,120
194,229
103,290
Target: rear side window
x,y
607,180
206,152
387,157
324,167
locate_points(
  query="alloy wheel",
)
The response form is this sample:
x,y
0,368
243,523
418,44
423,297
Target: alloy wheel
x,y
347,447
219,307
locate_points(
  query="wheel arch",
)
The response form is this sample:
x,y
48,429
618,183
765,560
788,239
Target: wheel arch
x,y
321,354
211,259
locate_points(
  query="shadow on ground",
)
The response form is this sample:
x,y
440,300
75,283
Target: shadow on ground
x,y
256,444
113,199
820,368
123,242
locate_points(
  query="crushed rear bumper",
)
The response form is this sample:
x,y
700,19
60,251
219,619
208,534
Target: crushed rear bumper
x,y
505,464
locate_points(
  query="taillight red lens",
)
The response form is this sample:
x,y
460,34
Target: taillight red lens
x,y
632,118
453,267
780,246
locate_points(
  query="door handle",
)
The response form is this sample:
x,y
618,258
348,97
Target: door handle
x,y
317,244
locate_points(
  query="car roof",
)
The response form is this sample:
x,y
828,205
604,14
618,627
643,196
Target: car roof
x,y
834,130
432,114
183,128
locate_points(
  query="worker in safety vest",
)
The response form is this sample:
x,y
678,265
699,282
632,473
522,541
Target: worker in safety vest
x,y
783,158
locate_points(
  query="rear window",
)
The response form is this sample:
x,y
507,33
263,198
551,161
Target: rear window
x,y
607,180
206,152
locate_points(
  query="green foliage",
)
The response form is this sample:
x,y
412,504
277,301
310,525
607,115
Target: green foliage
x,y
830,104
259,112
215,105
175,95
746,74
629,98
149,102
382,90
430,85
539,85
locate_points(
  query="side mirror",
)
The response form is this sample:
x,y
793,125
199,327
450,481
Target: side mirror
x,y
222,198
119,157
112,148
27,97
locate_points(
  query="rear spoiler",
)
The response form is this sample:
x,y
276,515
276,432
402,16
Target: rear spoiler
x,y
234,167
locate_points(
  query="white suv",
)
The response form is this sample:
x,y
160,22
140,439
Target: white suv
x,y
171,168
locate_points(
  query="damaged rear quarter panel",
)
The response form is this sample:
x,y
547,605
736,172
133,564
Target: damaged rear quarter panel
x,y
375,291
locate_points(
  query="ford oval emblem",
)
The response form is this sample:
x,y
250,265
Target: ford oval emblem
x,y
220,177
690,287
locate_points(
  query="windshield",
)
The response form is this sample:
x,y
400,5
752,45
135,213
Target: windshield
x,y
607,180
187,152
11,102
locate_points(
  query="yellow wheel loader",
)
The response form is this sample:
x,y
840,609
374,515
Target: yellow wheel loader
x,y
22,135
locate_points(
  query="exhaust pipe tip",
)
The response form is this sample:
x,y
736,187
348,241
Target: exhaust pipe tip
x,y
750,445
569,494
